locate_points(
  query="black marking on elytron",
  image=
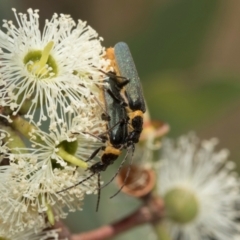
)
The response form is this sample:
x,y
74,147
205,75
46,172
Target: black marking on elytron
x,y
137,125
127,69
132,91
118,116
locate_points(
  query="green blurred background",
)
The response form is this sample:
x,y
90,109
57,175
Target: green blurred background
x,y
188,55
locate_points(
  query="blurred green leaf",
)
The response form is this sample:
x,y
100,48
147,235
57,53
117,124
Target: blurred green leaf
x,y
184,106
175,35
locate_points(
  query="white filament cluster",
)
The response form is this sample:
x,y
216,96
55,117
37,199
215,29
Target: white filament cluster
x,y
196,167
76,52
57,74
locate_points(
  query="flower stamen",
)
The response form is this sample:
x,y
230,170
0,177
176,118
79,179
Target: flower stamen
x,y
41,63
71,158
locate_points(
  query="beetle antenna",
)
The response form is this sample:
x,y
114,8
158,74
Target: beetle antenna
x,y
126,177
99,192
84,180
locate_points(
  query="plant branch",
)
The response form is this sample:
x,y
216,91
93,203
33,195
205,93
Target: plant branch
x,y
151,211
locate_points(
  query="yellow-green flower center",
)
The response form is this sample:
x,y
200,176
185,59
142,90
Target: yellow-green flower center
x,y
41,63
69,147
181,205
66,150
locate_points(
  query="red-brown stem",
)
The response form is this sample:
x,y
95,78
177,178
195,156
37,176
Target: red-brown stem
x,y
150,212
64,231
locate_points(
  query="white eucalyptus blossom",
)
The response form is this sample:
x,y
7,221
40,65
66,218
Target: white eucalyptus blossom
x,y
15,215
200,190
33,235
3,143
53,70
46,235
39,175
55,161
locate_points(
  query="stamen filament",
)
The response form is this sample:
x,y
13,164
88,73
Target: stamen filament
x,y
45,54
72,159
22,126
39,67
50,215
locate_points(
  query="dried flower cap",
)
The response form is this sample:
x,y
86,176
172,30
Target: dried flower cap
x,y
154,128
139,183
